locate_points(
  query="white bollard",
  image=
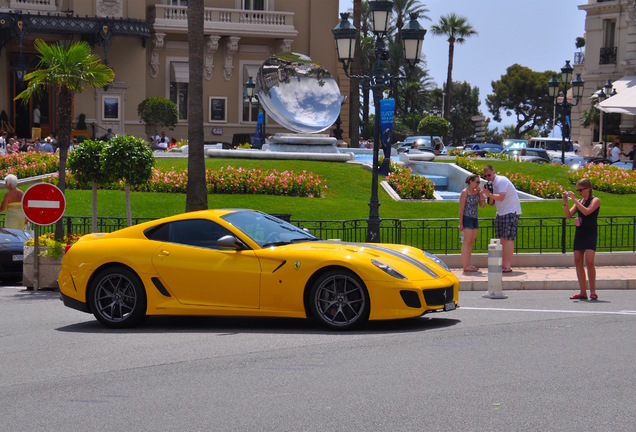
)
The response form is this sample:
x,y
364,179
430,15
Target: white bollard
x,y
495,261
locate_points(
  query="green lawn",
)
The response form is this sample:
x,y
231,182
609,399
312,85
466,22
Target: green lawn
x,y
347,196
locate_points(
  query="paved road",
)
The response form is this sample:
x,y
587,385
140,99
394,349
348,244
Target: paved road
x,y
536,361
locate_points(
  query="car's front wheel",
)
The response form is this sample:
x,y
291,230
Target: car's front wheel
x,y
117,298
340,300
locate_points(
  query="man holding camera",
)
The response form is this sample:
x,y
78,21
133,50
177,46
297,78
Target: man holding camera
x,y
505,197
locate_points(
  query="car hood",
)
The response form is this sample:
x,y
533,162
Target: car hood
x,y
408,260
12,238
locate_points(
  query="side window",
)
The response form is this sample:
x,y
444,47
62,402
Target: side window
x,y
196,232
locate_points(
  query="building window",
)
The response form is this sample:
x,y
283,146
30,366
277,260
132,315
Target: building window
x,y
179,95
609,49
179,2
254,4
609,33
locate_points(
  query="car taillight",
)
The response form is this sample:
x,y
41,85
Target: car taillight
x,y
68,246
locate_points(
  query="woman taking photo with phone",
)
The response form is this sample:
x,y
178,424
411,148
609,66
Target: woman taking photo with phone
x,y
470,198
586,210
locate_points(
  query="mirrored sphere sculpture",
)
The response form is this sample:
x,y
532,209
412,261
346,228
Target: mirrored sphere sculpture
x,y
299,94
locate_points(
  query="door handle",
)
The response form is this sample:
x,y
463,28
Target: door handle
x,y
164,253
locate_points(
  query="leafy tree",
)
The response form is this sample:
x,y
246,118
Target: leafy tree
x,y
523,93
590,117
85,163
69,67
465,105
354,91
457,29
158,111
127,158
580,42
433,126
196,192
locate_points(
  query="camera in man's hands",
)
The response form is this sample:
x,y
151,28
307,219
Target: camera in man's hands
x,y
491,188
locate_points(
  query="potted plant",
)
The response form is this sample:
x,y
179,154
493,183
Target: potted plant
x,y
50,257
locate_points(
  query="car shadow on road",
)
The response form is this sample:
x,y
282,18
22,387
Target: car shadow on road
x,y
226,326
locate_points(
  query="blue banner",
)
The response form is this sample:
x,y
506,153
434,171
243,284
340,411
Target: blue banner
x,y
387,109
259,137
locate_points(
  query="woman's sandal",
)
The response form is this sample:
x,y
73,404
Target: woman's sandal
x,y
580,297
593,297
471,269
506,270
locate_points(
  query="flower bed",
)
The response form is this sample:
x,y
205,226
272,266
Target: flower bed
x,y
606,178
226,180
409,186
28,164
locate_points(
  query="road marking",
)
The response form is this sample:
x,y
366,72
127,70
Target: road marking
x,y
624,312
43,204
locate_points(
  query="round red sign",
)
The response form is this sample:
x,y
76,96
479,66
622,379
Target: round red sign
x,y
43,204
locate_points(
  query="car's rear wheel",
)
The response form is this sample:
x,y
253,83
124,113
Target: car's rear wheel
x,y
117,298
340,300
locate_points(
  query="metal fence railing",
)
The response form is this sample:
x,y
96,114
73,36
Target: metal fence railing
x,y
534,235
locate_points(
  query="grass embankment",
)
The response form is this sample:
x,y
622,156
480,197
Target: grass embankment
x,y
347,196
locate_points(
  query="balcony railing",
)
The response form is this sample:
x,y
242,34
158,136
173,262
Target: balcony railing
x,y
579,58
33,5
607,56
230,21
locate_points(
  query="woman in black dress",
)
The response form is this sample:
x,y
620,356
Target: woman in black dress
x,y
586,210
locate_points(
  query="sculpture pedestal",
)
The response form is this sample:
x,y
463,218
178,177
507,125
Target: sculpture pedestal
x,y
303,143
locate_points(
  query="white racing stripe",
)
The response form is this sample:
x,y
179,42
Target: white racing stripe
x,y
624,312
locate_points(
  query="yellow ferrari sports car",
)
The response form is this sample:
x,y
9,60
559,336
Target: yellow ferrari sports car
x,y
235,262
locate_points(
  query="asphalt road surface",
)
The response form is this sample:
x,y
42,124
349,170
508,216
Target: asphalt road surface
x,y
536,361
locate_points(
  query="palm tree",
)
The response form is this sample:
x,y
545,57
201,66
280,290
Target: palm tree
x,y
69,67
404,8
196,192
354,91
457,29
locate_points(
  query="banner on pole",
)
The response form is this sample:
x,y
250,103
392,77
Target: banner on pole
x,y
387,109
259,137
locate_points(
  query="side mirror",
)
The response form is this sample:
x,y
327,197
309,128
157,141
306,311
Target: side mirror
x,y
230,242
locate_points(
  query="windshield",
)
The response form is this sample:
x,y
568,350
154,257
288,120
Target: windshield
x,y
267,230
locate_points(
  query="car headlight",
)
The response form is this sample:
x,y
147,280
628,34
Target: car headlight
x,y
437,259
388,269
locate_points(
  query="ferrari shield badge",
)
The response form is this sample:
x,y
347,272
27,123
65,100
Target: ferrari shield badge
x,y
296,265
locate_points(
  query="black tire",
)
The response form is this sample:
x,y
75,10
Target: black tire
x,y
339,300
117,298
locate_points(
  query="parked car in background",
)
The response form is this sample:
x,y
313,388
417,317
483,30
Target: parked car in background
x,y
623,164
12,254
421,143
530,154
481,149
597,160
513,143
554,148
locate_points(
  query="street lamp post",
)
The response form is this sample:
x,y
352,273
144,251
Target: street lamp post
x,y
250,85
345,35
565,107
602,95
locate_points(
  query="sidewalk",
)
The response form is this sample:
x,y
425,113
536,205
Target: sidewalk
x,y
549,278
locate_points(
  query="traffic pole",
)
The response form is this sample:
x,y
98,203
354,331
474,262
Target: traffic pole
x,y
495,261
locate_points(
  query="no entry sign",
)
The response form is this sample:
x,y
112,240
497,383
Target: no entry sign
x,y
43,204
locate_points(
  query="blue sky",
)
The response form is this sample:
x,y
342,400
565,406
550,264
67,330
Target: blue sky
x,y
539,34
